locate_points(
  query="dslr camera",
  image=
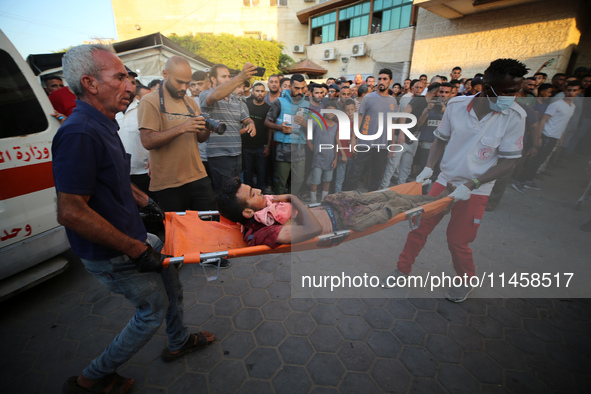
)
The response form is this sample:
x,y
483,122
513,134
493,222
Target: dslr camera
x,y
437,105
213,125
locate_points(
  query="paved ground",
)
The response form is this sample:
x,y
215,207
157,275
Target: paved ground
x,y
270,342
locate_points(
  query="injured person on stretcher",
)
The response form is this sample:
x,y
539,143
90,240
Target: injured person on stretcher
x,y
352,210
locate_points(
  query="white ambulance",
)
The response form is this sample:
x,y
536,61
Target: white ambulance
x,y
31,240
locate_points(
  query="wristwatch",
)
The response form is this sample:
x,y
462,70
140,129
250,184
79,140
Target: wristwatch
x,y
476,183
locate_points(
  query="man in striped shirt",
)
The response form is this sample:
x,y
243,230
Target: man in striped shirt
x,y
224,151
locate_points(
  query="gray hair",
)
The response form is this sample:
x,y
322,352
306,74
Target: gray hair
x,y
79,61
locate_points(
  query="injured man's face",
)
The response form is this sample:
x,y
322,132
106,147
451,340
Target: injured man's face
x,y
253,198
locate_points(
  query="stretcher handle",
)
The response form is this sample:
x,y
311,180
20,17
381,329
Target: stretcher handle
x,y
204,214
414,217
178,261
332,239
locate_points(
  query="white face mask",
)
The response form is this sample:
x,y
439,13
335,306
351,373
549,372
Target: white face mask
x,y
503,102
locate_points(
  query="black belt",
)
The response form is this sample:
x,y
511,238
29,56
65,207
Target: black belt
x,y
332,217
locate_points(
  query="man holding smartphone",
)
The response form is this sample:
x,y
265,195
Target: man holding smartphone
x,y
224,152
287,120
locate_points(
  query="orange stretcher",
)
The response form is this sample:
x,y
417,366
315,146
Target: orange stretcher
x,y
207,242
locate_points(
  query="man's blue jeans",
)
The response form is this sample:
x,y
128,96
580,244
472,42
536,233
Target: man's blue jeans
x,y
255,160
156,297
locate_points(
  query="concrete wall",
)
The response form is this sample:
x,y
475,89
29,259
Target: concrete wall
x,y
387,47
584,25
227,16
289,30
182,17
531,33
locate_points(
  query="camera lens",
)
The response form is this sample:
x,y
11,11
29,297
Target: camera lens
x,y
215,126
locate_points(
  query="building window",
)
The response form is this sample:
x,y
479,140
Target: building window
x,y
354,21
390,15
324,28
278,3
251,3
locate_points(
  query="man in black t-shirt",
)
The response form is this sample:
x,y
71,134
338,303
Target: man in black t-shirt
x,y
255,150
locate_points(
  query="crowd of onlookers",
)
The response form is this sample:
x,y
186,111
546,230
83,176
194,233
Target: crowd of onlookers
x,y
287,135
277,156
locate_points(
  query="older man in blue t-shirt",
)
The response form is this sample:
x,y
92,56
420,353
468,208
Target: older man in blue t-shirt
x,y
99,208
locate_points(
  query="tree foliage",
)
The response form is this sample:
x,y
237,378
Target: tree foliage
x,y
64,50
234,51
285,63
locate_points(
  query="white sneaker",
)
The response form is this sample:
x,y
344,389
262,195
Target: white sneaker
x,y
458,294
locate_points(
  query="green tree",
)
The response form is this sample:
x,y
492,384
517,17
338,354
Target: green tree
x,y
64,50
285,63
234,51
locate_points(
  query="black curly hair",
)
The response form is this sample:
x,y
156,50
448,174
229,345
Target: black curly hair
x,y
500,68
228,204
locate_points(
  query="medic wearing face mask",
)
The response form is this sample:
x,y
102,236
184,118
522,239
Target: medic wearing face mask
x,y
484,138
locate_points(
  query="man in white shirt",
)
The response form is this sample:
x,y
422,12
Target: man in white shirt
x,y
130,137
200,83
550,135
484,137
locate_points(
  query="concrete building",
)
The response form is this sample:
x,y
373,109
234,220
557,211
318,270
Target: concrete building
x,y
456,33
347,37
350,37
260,19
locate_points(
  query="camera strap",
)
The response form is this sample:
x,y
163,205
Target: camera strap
x,y
163,110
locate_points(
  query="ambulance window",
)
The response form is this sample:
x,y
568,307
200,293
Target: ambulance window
x,y
20,111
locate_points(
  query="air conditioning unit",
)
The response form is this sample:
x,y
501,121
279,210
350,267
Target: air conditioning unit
x,y
359,49
299,49
329,54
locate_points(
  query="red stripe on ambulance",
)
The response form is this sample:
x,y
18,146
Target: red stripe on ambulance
x,y
23,180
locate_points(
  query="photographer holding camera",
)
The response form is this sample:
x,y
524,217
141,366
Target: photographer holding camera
x,y
224,151
171,129
428,123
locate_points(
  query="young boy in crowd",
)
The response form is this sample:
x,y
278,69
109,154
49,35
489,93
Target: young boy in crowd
x,y
324,159
345,148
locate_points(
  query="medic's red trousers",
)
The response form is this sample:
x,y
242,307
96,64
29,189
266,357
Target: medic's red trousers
x,y
462,228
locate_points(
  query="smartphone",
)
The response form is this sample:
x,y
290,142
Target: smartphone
x,y
260,72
